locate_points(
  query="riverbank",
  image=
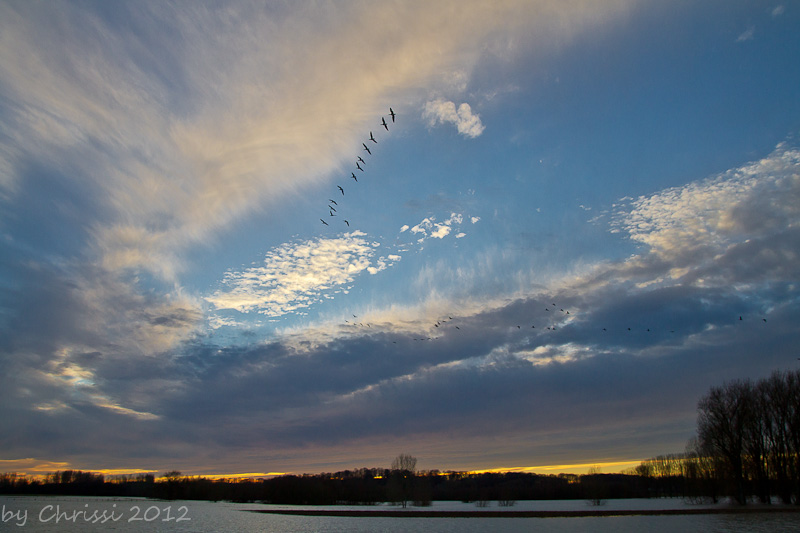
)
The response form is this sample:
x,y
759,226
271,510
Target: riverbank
x,y
413,513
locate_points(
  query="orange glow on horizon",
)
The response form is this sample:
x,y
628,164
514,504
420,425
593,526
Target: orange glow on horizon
x,y
37,469
249,475
578,468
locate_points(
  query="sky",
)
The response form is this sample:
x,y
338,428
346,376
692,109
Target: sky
x,y
581,217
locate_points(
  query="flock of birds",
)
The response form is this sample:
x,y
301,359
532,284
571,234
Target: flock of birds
x,y
333,209
333,205
443,323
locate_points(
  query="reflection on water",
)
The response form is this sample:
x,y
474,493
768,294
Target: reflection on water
x,y
69,514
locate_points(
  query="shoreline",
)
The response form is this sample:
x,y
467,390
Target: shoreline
x,y
525,514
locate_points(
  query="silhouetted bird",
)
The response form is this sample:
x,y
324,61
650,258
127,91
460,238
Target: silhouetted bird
x,y
323,222
331,208
366,148
372,138
361,160
332,214
391,113
359,167
348,224
340,188
353,175
333,202
383,122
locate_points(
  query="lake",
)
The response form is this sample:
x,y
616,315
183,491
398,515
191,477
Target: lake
x,y
69,514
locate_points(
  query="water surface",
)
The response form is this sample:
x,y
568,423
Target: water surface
x,y
71,514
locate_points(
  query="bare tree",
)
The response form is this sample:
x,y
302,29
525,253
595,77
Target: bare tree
x,y
405,462
401,485
722,427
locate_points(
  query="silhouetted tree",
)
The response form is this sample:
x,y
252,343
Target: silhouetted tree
x,y
722,427
401,483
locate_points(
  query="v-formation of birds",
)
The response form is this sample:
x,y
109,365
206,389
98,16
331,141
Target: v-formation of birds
x,y
333,205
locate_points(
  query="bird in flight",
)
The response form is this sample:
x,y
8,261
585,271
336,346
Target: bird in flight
x,y
359,167
331,208
361,160
372,138
346,222
323,222
352,175
366,148
384,124
392,114
333,201
340,188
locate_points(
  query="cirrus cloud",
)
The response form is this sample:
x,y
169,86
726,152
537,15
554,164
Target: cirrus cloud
x,y
294,276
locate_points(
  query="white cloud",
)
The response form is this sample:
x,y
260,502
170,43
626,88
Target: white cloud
x,y
295,276
778,11
423,227
746,35
699,221
466,122
474,220
382,263
441,231
404,228
429,228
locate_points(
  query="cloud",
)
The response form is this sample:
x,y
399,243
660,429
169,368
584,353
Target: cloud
x,y
697,224
746,35
778,10
428,228
382,263
442,111
441,231
295,276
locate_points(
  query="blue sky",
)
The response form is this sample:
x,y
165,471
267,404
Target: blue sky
x,y
545,260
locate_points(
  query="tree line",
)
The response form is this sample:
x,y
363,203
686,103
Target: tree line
x,y
747,445
362,486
